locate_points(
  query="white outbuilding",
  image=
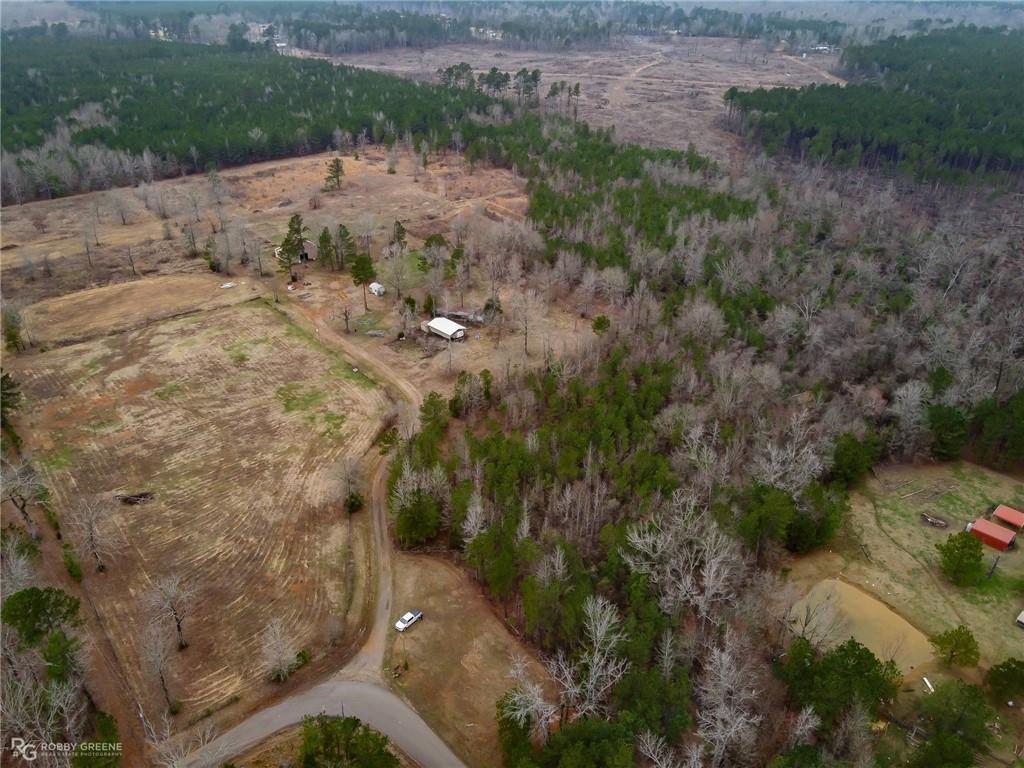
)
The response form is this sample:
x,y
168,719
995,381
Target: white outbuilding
x,y
377,289
446,329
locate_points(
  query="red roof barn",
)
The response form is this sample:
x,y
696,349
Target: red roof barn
x,y
994,535
1010,516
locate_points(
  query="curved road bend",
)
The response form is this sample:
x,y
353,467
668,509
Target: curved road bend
x,y
370,702
357,689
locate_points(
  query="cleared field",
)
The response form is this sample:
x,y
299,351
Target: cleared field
x,y
237,421
458,655
891,553
44,251
664,92
555,329
115,308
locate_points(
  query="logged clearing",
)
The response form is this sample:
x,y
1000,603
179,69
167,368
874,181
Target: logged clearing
x,y
459,655
890,553
54,247
237,421
426,360
665,92
120,307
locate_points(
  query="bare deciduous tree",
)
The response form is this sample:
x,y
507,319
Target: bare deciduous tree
x,y
586,682
475,521
23,486
172,599
728,697
804,727
16,572
526,704
528,306
155,651
43,712
395,268
690,561
277,651
120,202
91,524
198,750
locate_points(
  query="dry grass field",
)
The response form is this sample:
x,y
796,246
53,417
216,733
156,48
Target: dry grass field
x,y
44,254
458,655
890,553
237,411
84,315
655,92
237,421
891,594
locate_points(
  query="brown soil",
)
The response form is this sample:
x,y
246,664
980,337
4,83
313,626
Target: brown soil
x,y
177,388
237,421
41,264
890,553
123,306
654,92
459,655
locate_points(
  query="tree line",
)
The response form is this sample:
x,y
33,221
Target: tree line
x,y
88,114
944,105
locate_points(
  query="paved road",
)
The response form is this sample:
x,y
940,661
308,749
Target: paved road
x,y
358,688
370,702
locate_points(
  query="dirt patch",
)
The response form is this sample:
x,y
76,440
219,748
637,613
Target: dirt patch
x,y
665,92
871,622
890,552
115,308
458,655
555,330
237,421
44,243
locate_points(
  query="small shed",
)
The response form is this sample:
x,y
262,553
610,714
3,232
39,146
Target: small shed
x,y
1009,516
377,289
1020,619
994,535
308,251
446,329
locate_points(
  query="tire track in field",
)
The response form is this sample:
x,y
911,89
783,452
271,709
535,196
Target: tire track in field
x,y
243,488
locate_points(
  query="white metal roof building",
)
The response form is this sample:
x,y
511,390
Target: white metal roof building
x,y
446,329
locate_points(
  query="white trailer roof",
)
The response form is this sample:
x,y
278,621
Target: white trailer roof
x,y
445,326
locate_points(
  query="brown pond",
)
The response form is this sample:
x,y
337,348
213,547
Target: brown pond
x,y
872,623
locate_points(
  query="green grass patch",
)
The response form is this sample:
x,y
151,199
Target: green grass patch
x,y
104,423
1002,588
295,397
60,459
371,321
71,563
169,391
340,368
91,368
332,424
239,351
